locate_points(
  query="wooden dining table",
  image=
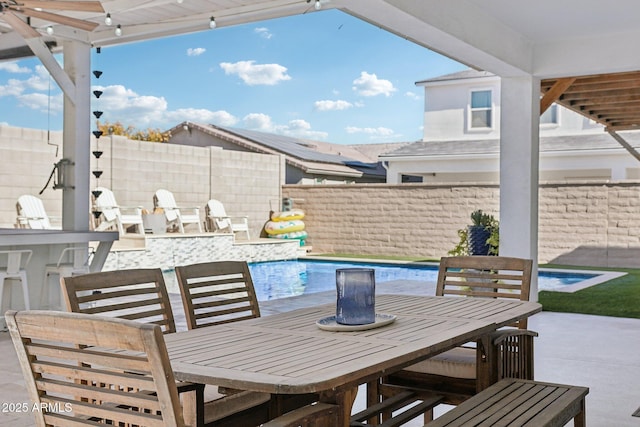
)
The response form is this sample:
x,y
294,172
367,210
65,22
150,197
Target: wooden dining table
x,y
288,354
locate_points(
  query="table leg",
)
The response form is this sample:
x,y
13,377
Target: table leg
x,y
344,399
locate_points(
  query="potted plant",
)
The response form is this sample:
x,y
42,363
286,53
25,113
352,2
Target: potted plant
x,y
480,238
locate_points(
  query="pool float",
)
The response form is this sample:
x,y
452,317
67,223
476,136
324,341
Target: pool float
x,y
282,227
291,215
300,235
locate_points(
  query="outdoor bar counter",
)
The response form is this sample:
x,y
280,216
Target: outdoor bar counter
x,y
47,245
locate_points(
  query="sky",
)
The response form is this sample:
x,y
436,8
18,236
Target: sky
x,y
323,76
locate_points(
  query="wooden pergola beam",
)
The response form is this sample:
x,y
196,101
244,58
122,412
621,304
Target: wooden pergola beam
x,y
552,95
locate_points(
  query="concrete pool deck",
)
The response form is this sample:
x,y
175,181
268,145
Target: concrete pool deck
x,y
594,351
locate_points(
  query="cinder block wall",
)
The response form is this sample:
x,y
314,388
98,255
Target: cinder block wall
x,y
247,183
27,160
581,223
588,223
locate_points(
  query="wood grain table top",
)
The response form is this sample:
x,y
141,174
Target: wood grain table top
x,y
287,353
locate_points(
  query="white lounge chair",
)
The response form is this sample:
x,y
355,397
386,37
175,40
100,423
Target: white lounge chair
x,y
175,215
114,216
31,213
218,220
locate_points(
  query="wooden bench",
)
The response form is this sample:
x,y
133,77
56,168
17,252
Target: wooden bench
x,y
517,402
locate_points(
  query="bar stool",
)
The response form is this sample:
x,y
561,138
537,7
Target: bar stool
x,y
15,270
73,261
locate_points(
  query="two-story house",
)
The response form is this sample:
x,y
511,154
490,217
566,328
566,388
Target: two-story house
x,y
461,139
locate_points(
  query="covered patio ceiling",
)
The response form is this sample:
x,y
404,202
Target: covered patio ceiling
x,y
546,39
613,100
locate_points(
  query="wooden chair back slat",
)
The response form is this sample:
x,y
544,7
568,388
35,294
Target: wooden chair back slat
x,y
486,277
83,369
217,292
137,294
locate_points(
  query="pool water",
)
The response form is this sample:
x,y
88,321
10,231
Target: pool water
x,y
281,279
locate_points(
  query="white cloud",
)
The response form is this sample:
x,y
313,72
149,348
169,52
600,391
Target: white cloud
x,y
13,87
263,32
256,74
13,67
196,51
33,92
328,105
295,128
258,121
40,80
412,95
41,102
376,132
221,118
370,85
121,104
128,107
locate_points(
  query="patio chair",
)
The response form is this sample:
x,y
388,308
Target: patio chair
x,y
218,220
31,213
113,216
141,295
217,292
508,351
14,269
220,292
176,216
77,373
137,294
73,261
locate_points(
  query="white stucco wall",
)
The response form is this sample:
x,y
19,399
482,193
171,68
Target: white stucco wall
x,y
446,112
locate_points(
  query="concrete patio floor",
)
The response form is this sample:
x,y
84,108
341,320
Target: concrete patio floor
x,y
602,353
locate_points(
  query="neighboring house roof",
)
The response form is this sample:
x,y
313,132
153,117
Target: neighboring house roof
x,y
298,148
584,142
460,75
314,157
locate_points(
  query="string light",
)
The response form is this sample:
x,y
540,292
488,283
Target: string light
x,y
212,23
317,5
50,30
108,21
118,30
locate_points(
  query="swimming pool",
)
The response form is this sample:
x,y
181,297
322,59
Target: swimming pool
x,y
281,279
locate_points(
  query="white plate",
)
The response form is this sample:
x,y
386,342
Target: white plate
x,y
330,324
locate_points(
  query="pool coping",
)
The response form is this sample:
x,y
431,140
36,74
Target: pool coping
x,y
602,276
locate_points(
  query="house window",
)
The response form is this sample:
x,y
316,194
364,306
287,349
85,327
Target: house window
x,y
481,109
550,117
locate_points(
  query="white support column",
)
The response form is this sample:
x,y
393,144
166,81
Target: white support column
x,y
519,169
76,137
